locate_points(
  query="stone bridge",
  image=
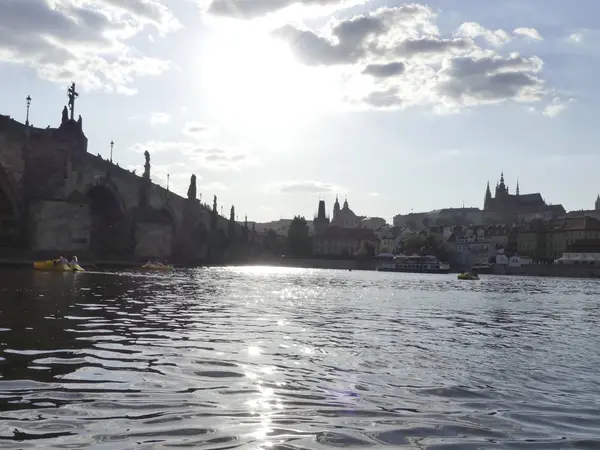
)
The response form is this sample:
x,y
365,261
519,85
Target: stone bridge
x,y
55,197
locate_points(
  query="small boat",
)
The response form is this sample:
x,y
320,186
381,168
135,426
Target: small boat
x,y
157,267
468,276
53,266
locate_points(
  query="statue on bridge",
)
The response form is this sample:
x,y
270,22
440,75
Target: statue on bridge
x,y
73,94
191,193
65,116
214,203
147,165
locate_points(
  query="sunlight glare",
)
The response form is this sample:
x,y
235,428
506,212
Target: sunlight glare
x,y
256,83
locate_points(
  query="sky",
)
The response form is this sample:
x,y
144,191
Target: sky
x,y
276,104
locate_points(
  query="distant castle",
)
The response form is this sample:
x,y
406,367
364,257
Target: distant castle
x,y
508,208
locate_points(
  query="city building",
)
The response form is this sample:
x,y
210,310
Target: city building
x,y
373,223
584,251
338,241
445,216
478,245
281,226
547,241
595,213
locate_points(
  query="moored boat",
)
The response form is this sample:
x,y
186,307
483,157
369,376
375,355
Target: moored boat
x,y
413,264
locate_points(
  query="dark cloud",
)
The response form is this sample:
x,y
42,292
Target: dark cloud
x,y
351,37
195,129
385,70
428,46
449,72
384,99
491,79
312,49
384,33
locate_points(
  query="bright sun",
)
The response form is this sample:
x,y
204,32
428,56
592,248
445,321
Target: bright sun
x,y
254,82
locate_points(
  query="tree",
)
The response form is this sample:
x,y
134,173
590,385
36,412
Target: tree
x,y
414,244
299,241
430,245
366,251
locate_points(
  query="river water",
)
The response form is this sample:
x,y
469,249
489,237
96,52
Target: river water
x,y
297,359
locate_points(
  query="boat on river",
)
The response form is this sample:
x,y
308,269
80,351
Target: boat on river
x,y
413,264
54,266
468,276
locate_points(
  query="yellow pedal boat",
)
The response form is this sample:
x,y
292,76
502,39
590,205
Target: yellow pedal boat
x,y
50,266
468,276
157,267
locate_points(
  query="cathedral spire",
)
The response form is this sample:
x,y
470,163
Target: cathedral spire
x,y
336,207
517,191
597,205
346,202
487,203
502,177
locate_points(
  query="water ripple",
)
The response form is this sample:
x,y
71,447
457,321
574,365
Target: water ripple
x,y
297,359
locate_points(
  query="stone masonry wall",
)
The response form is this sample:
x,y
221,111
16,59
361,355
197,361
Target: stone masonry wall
x,y
153,240
59,226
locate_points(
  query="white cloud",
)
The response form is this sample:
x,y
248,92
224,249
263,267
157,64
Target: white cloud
x,y
396,58
83,40
576,37
556,107
474,30
159,118
215,186
176,173
531,33
155,118
199,157
307,186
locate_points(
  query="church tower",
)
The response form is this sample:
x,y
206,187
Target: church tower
x,y
321,222
517,191
487,202
597,205
336,208
346,203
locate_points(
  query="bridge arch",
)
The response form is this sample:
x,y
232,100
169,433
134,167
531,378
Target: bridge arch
x,y
10,211
110,225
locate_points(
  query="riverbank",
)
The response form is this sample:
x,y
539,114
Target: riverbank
x,y
305,263
550,270
534,270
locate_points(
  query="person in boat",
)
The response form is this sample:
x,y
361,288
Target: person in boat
x,y
61,260
74,261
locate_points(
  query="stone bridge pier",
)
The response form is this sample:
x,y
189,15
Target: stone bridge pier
x,y
56,198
